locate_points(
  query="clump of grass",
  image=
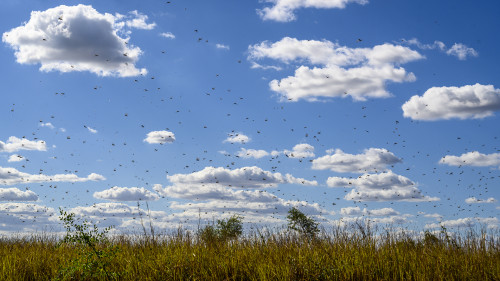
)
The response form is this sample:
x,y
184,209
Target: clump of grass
x,y
354,252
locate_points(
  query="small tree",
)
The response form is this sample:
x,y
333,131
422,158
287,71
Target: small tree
x,y
301,223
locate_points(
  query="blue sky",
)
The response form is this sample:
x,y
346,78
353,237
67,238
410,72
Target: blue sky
x,y
384,111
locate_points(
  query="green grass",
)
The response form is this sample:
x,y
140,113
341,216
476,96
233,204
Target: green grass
x,y
351,253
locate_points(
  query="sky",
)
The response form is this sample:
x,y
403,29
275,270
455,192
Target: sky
x,y
186,112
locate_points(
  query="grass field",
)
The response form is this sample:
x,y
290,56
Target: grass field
x,y
348,253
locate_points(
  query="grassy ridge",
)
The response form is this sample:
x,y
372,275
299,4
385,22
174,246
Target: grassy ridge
x,y
341,254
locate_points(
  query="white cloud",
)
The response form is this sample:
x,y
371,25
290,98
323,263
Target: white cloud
x,y
160,137
372,159
251,153
369,68
473,158
255,65
222,46
301,150
466,102
47,124
246,177
78,38
15,158
466,223
14,144
127,194
237,137
15,194
168,35
283,10
27,218
10,176
461,51
380,187
474,200
356,211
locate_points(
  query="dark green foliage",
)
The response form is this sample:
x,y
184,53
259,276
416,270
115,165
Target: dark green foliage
x,y
305,225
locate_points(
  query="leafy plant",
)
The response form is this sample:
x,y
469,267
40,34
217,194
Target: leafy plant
x,y
93,252
301,223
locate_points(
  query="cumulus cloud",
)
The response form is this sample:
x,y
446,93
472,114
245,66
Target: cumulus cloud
x,y
15,158
466,223
339,71
443,103
474,200
15,194
473,158
372,159
127,194
252,153
168,35
14,144
246,177
160,137
301,150
459,50
78,38
237,138
10,176
283,10
386,186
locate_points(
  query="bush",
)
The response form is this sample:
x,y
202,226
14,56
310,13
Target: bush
x,y
223,230
301,223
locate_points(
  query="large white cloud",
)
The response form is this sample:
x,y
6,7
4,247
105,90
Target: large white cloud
x,y
356,72
246,177
27,218
386,186
14,144
160,137
78,38
127,194
466,102
283,10
473,158
371,160
10,176
15,194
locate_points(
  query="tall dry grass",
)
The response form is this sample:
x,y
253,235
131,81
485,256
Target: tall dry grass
x,y
348,253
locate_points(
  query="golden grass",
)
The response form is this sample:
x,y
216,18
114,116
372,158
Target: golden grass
x,y
340,254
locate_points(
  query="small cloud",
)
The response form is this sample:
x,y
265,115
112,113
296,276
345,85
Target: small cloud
x,y
222,46
160,137
168,35
473,158
48,125
237,138
127,194
15,158
10,176
93,131
372,159
301,150
461,51
251,153
474,200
